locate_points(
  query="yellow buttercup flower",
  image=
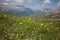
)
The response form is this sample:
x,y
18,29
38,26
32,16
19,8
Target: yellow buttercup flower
x,y
26,17
45,25
51,23
20,23
47,28
41,24
29,18
4,15
57,28
34,28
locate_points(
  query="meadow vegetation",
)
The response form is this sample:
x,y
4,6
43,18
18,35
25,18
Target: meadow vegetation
x,y
28,28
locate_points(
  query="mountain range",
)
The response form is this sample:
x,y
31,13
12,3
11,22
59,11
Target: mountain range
x,y
20,10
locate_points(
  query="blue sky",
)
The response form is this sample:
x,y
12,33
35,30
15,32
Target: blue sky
x,y
35,4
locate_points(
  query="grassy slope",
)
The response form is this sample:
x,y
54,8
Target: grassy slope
x,y
26,28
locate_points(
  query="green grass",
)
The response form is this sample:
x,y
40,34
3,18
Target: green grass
x,y
27,28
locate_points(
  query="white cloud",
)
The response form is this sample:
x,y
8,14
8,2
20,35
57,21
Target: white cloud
x,y
57,8
58,4
21,1
7,0
15,1
5,3
39,7
47,1
30,1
